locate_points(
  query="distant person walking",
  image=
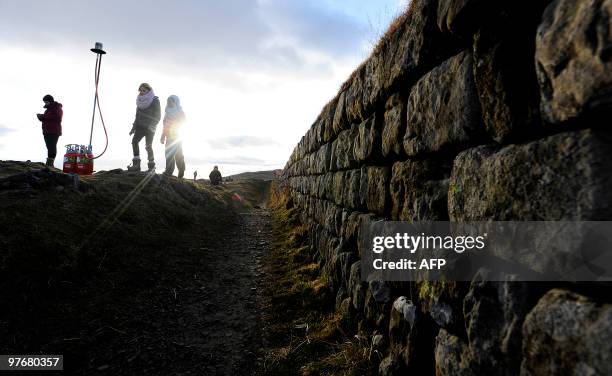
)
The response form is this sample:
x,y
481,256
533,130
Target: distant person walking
x,y
215,176
173,122
51,126
148,113
195,175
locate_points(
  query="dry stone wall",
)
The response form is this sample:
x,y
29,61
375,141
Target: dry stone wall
x,y
468,110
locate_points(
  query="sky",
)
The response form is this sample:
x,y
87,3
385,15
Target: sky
x,y
252,75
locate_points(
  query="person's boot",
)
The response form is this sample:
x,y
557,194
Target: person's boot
x,y
151,166
49,162
181,173
135,165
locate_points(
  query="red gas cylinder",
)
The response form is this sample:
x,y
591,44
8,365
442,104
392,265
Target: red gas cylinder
x,y
70,158
84,164
88,161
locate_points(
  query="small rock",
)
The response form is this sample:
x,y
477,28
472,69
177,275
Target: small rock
x,y
442,313
453,356
388,366
378,341
406,308
380,291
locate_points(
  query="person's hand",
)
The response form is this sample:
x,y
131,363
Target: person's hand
x,y
132,131
162,139
39,116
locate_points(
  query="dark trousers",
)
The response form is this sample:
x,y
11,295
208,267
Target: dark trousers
x,y
174,154
51,142
148,136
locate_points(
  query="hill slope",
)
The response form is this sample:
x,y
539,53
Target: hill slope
x,y
257,175
128,273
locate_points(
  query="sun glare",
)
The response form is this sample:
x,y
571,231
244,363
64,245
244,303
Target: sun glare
x,y
191,137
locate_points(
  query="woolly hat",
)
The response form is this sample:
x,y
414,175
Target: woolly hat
x,y
48,98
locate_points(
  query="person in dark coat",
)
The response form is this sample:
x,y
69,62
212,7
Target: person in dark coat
x,y
215,176
148,114
51,126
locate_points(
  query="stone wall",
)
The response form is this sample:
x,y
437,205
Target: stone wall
x,y
468,110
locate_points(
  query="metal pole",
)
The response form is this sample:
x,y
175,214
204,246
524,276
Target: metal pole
x,y
96,76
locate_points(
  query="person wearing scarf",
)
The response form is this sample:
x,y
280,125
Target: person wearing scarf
x,y
148,114
173,121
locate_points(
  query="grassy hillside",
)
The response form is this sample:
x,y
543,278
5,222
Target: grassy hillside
x,y
257,175
66,240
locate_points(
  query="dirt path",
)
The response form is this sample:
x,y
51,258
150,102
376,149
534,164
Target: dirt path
x,y
196,312
223,323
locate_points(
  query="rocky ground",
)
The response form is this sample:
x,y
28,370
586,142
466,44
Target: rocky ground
x,y
129,274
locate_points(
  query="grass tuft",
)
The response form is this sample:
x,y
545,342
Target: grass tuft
x,y
303,333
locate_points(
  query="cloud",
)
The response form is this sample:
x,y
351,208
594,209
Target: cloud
x,y
4,130
238,35
316,27
231,160
224,143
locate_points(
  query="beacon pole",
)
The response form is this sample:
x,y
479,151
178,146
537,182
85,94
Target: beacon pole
x,y
99,52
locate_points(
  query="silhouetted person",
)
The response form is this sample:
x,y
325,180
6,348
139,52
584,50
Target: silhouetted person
x,y
51,126
173,121
195,175
215,176
148,113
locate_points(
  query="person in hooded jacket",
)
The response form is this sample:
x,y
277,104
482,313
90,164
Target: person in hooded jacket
x,y
51,126
148,114
174,119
